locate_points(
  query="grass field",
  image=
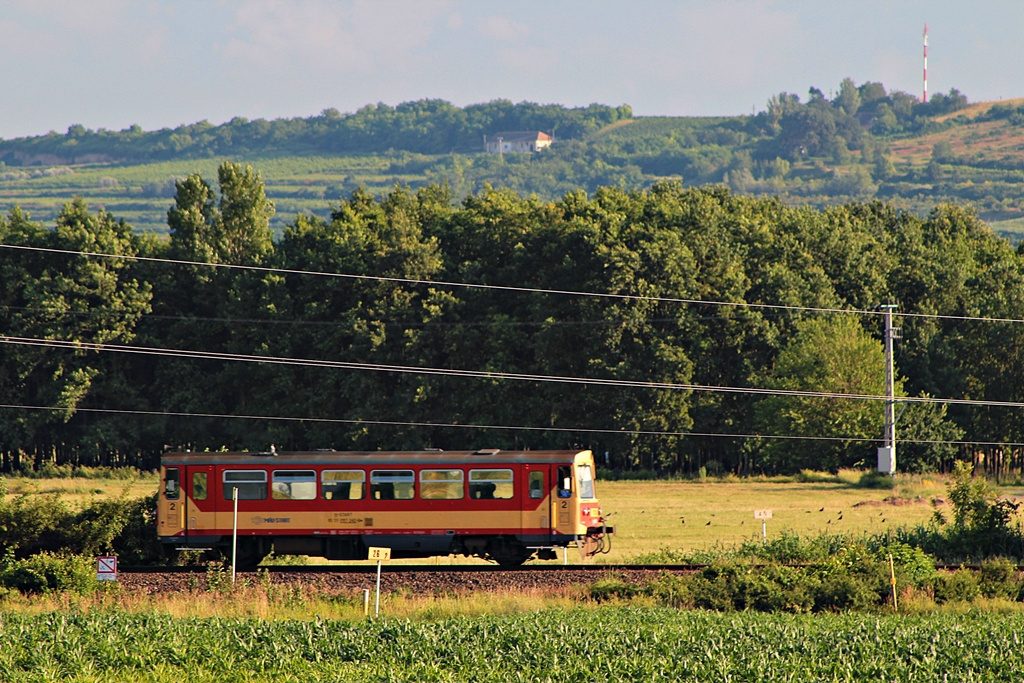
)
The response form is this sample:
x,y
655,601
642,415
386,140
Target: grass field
x,y
80,491
688,515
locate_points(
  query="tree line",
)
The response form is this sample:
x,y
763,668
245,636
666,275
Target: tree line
x,y
692,293
426,126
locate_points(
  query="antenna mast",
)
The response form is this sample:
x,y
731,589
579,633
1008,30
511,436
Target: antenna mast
x,y
924,93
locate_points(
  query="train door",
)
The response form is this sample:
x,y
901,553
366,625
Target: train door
x,y
536,508
171,503
563,501
198,503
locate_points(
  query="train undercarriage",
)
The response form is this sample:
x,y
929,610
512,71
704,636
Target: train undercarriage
x,y
505,550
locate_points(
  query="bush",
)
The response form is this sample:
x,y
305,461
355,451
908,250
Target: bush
x,y
998,578
611,588
49,572
671,590
876,480
960,585
845,592
34,523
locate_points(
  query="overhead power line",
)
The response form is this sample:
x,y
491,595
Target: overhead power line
x,y
510,288
477,374
456,425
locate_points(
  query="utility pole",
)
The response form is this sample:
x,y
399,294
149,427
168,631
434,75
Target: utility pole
x,y
887,453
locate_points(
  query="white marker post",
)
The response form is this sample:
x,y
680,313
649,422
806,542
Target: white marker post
x,y
234,533
764,516
381,555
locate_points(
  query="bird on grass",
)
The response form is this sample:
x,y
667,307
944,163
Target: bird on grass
x,y
709,523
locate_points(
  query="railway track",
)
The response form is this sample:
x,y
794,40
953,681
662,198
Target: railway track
x,y
421,568
414,579
469,568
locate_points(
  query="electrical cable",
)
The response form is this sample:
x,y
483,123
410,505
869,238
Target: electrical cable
x,y
481,374
510,288
456,425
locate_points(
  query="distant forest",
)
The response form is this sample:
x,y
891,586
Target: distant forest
x,y
422,127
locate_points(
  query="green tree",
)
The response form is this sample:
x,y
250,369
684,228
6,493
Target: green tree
x,y
63,298
245,212
848,98
833,355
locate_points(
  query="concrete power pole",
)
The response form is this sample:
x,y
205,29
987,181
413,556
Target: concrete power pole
x,y
887,453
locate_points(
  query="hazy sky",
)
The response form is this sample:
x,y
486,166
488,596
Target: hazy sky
x,y
161,63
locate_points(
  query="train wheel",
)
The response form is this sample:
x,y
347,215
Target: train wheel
x,y
508,553
248,555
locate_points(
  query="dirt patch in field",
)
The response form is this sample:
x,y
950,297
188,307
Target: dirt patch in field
x,y
897,501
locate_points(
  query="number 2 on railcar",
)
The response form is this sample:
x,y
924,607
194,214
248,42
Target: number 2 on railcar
x,y
504,506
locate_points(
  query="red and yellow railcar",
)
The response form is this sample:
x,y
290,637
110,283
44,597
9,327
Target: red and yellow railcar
x,y
505,506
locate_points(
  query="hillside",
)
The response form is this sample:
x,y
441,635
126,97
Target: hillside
x,y
864,144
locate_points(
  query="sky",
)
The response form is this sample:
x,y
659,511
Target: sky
x,y
163,63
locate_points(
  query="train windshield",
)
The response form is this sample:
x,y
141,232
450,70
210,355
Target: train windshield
x,y
171,480
585,478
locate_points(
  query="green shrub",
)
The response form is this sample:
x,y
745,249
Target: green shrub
x,y
612,588
998,578
48,572
775,588
962,585
838,592
671,590
876,480
34,523
913,566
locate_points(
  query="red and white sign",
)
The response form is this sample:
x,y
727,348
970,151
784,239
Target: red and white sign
x,y
106,568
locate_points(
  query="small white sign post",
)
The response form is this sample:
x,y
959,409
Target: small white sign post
x,y
381,555
106,568
234,533
764,516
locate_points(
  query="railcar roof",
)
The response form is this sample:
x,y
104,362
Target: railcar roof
x,y
340,458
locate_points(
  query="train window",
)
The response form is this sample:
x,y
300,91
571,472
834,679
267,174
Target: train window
x,y
199,490
392,484
441,484
564,481
585,480
294,485
495,484
251,484
171,488
343,484
536,484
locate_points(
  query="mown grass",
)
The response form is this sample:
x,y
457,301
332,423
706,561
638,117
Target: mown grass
x,y
694,514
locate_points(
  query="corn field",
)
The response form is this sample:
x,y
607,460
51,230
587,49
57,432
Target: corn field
x,y
605,644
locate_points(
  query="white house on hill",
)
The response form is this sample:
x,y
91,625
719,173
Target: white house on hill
x,y
517,141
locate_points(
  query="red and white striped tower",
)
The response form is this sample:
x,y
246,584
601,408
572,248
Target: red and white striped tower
x,y
924,94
